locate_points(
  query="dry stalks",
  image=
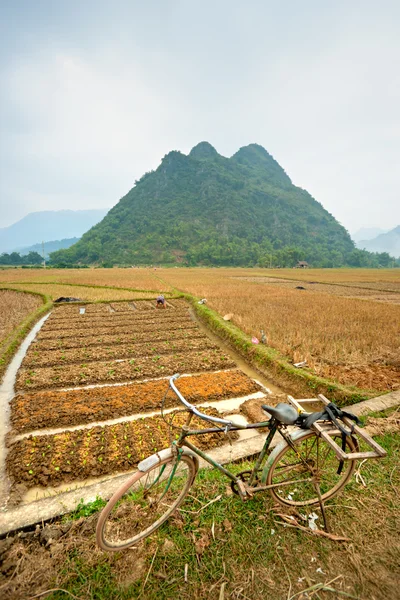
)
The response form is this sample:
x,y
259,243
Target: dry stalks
x,y
14,307
83,293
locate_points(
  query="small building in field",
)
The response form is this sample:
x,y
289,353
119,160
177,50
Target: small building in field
x,y
302,264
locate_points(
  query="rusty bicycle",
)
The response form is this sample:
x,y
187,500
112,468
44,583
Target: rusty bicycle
x,y
314,459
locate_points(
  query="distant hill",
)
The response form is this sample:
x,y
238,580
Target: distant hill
x,y
46,226
386,242
205,209
49,246
367,233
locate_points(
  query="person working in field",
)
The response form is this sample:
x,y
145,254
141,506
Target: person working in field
x,y
161,302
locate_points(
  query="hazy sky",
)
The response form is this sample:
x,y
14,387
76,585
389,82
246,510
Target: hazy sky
x,y
95,93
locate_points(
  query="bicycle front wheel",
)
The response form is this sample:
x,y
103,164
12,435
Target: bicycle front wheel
x,y
296,473
144,503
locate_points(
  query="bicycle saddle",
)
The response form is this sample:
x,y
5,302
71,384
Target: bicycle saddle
x,y
284,413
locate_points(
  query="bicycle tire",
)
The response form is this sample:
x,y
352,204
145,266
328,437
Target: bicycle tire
x,y
132,514
321,459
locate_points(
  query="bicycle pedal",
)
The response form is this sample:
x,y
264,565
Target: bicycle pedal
x,y
243,491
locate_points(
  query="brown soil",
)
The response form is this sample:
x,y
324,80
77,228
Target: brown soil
x,y
69,310
374,376
123,307
117,338
122,371
113,320
253,411
381,426
85,320
350,291
77,455
76,407
130,327
43,358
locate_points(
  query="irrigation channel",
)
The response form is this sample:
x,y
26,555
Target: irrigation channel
x,y
81,401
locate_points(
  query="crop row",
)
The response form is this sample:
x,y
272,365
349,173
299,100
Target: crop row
x,y
116,338
76,455
128,327
122,370
160,314
75,407
46,358
114,320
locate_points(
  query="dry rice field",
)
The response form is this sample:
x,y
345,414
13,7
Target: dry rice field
x,y
86,294
344,322
352,340
14,308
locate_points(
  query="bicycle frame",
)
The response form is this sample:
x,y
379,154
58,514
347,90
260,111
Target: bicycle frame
x,y
244,491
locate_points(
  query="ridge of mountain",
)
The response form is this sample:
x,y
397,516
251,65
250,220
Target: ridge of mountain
x,y
385,242
48,247
203,208
367,233
48,225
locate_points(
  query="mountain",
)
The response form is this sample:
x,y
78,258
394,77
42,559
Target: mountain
x,y
367,233
386,242
48,225
49,246
204,208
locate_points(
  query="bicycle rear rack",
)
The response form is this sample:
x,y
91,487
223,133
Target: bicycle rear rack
x,y
326,430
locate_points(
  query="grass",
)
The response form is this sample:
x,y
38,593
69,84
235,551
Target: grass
x,y
234,550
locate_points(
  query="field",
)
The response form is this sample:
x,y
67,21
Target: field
x,y
350,340
118,356
331,319
344,322
87,408
14,308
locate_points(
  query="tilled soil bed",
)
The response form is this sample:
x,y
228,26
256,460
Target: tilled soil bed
x,y
125,370
121,321
76,455
128,327
133,306
116,338
46,358
380,377
76,407
85,320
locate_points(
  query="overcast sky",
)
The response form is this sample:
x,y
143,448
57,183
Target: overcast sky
x,y
95,93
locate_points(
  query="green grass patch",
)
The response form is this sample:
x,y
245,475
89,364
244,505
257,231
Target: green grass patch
x,y
244,549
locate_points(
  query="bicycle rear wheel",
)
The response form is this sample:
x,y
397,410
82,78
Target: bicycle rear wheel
x,y
313,462
144,503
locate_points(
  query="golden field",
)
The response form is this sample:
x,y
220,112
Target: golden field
x,y
14,308
345,323
54,291
134,278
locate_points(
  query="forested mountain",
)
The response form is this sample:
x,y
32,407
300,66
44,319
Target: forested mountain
x,y
47,225
385,242
207,209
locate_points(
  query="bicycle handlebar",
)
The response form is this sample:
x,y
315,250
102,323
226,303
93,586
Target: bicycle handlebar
x,y
193,409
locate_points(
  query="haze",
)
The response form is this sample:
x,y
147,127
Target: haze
x,y
94,94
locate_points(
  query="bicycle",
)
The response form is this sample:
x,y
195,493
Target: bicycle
x,y
307,467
